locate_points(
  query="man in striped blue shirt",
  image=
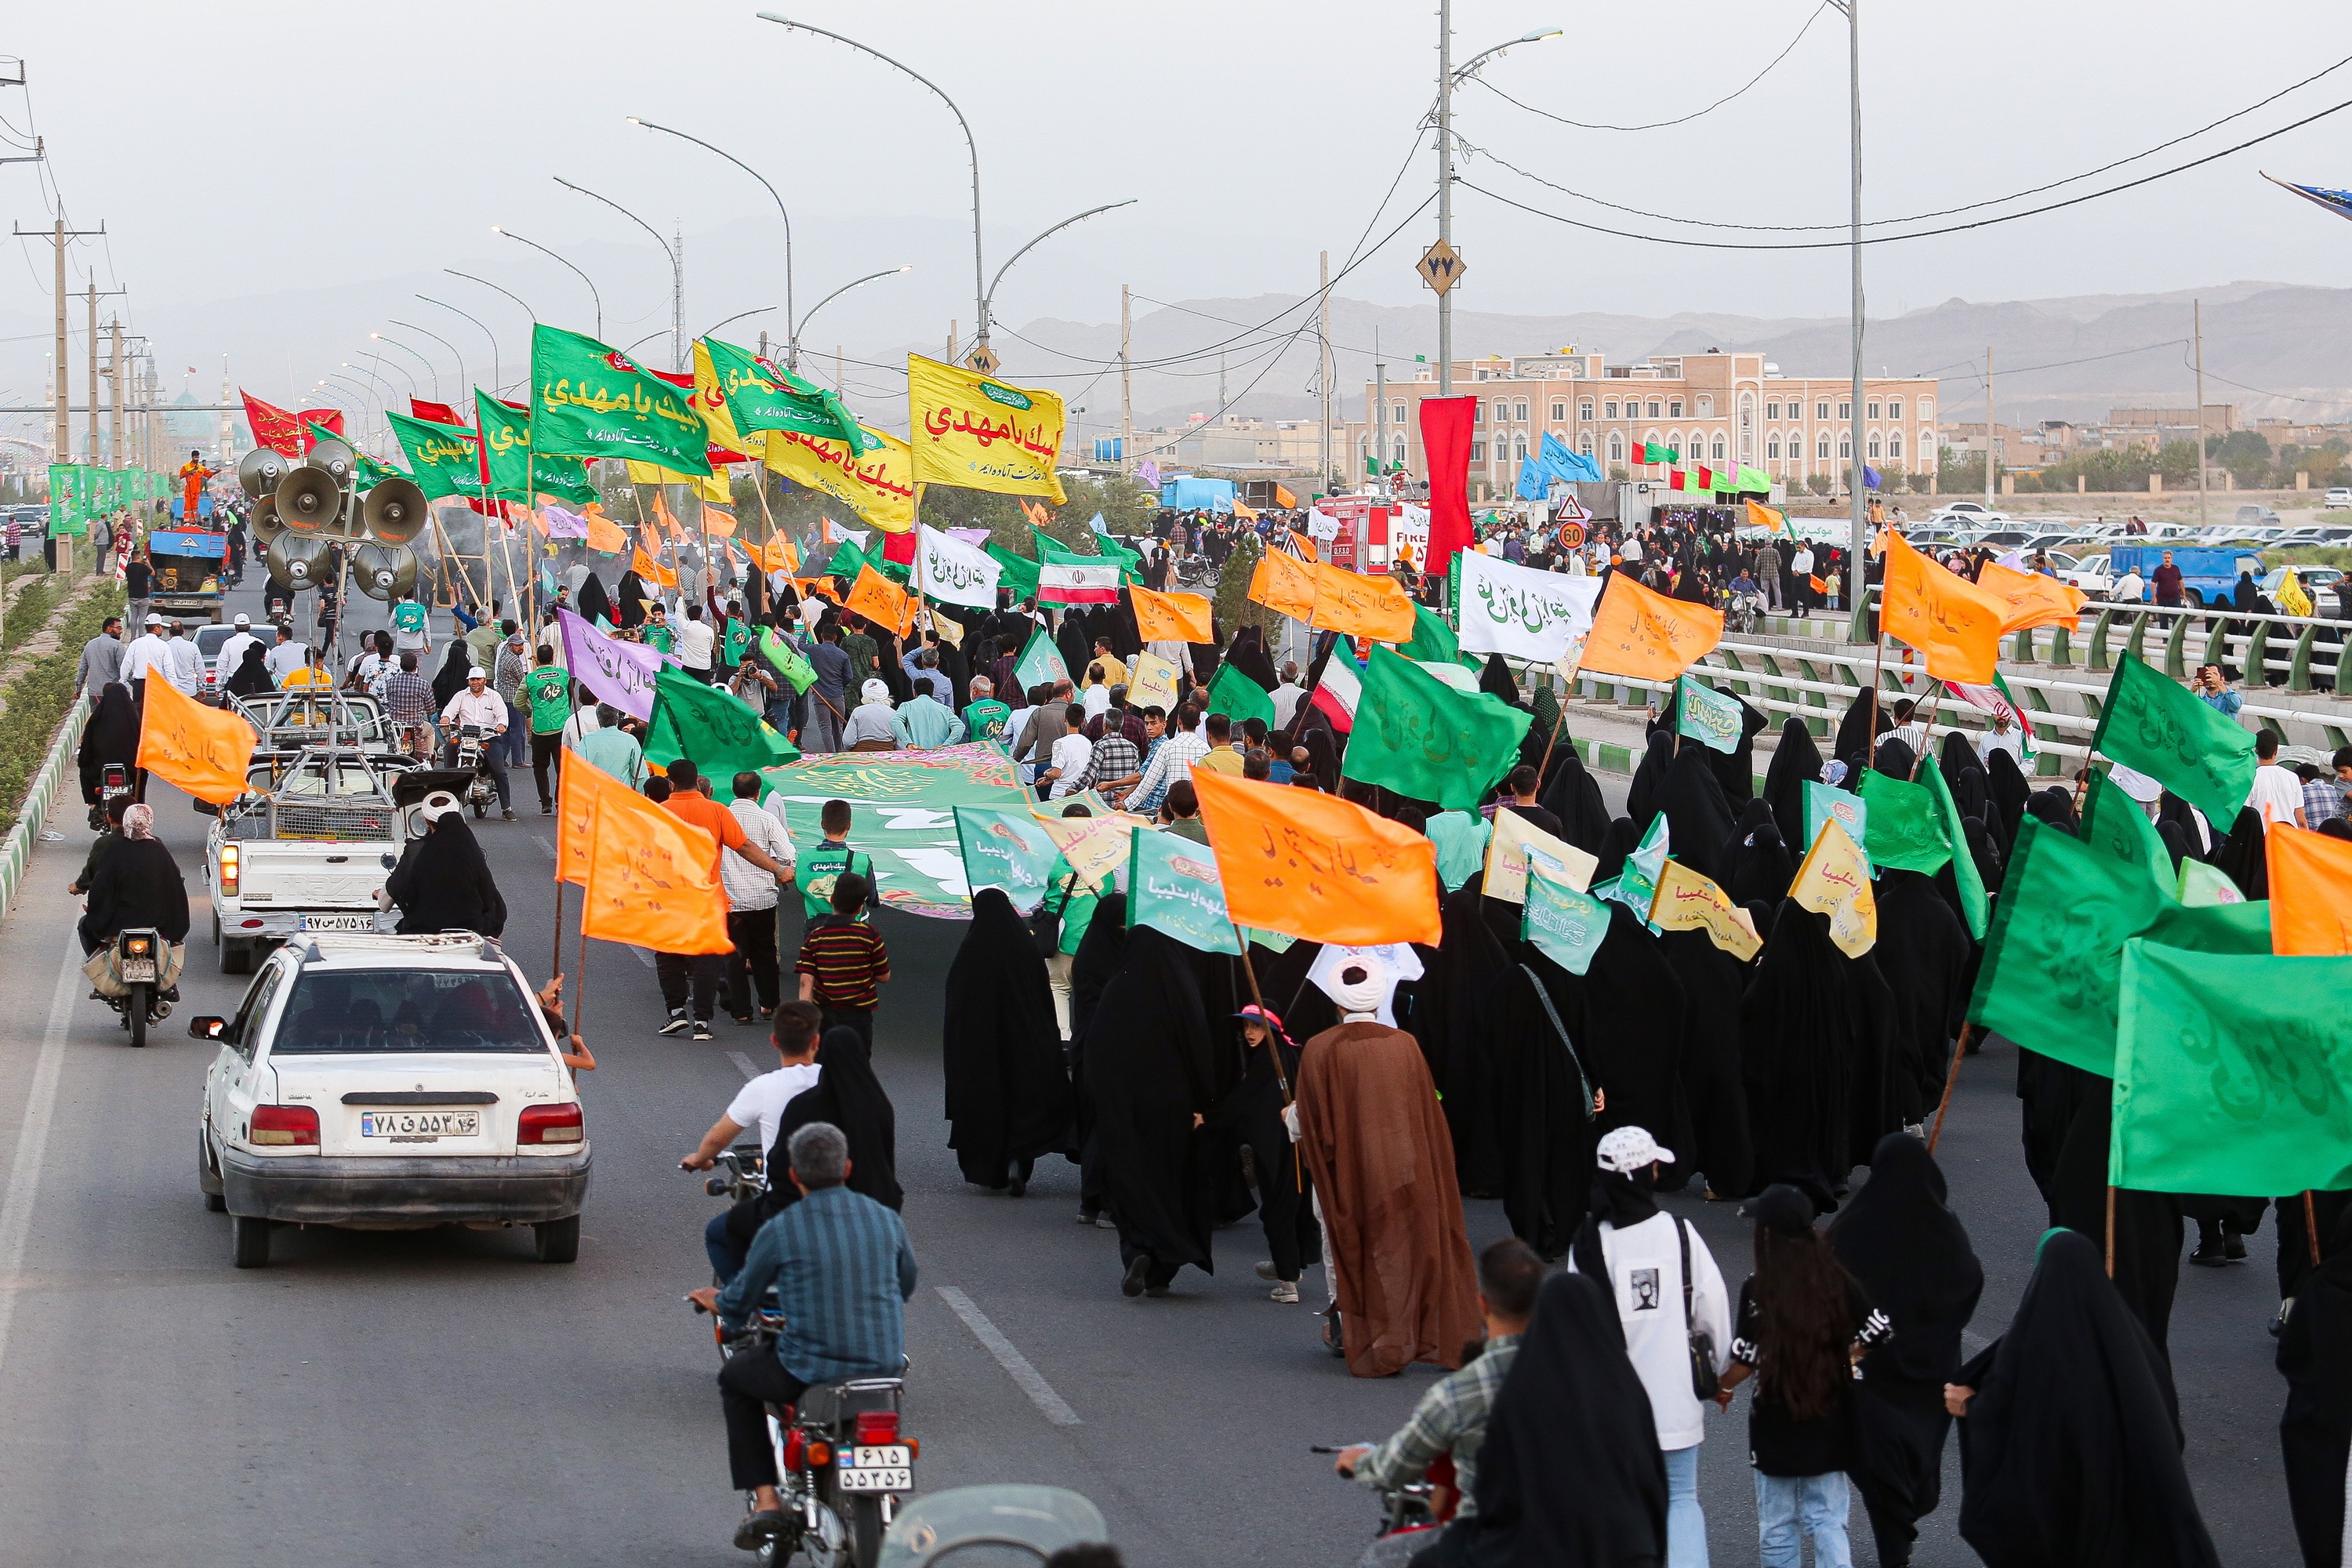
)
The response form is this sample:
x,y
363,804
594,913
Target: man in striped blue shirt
x,y
842,1272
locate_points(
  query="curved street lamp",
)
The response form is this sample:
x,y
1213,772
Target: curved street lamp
x,y
988,300
792,349
676,272
592,295
755,173
736,317
420,359
379,362
465,381
497,377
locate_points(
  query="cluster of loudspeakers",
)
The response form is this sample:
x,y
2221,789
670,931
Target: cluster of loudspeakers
x,y
300,511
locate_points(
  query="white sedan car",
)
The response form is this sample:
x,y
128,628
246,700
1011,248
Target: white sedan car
x,y
389,1083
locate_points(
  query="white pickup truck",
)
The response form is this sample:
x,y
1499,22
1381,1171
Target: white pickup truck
x,y
306,852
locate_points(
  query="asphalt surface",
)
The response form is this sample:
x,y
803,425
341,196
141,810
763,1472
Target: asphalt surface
x,y
438,1395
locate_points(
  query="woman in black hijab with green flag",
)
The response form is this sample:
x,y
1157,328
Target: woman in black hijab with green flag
x,y
1008,1086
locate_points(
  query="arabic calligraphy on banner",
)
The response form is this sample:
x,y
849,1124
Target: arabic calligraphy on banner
x,y
1152,683
1520,613
1834,880
1514,841
1005,848
590,400
879,486
903,815
1173,887
953,571
619,673
979,434
1688,901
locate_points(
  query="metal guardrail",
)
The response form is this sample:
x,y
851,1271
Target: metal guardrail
x,y
17,854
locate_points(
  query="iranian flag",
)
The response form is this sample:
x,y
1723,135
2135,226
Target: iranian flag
x,y
1090,582
1336,693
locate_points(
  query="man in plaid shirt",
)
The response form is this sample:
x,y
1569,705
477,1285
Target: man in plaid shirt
x,y
1115,767
1452,1416
408,705
1172,760
1119,718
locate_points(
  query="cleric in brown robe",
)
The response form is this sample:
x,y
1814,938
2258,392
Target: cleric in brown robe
x,y
1375,1143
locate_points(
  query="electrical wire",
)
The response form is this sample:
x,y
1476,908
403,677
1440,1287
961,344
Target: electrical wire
x,y
1661,124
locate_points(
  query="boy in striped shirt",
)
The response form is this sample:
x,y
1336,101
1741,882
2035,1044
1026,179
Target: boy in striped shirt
x,y
844,964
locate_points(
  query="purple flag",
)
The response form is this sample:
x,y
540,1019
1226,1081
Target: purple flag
x,y
563,524
621,673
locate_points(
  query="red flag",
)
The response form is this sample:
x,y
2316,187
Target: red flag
x,y
333,419
1675,480
899,548
439,413
1446,437
272,427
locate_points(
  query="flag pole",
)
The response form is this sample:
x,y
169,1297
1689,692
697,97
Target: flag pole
x,y
1935,700
2311,1227
555,959
2111,1230
1959,1049
1877,664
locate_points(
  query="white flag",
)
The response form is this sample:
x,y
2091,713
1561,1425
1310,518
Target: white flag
x,y
1522,612
953,571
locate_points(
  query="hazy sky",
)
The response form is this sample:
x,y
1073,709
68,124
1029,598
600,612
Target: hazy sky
x,y
279,154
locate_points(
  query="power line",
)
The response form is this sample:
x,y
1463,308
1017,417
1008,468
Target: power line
x,y
1661,124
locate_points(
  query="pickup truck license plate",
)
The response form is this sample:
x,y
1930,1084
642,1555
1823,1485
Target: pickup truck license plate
x,y
339,922
889,1468
420,1126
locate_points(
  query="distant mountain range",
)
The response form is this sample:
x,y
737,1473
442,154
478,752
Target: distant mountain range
x,y
2273,349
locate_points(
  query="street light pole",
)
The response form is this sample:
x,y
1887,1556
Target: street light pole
x,y
465,381
1446,77
592,295
979,292
792,349
494,287
379,362
1859,533
497,375
676,272
755,173
988,300
419,358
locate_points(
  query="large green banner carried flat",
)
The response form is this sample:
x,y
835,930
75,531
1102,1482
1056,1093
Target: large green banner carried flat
x,y
903,806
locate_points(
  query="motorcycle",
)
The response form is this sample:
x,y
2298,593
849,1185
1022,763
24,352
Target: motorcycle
x,y
1195,570
1746,612
1411,1514
139,959
114,780
473,760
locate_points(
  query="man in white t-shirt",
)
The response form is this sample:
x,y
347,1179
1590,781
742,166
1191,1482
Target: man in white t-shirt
x,y
231,656
695,641
149,653
752,898
758,1104
2277,793
1640,1250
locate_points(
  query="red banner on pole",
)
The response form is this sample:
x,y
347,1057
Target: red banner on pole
x,y
1445,436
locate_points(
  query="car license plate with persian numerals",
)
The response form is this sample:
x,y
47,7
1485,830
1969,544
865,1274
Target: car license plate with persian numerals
x,y
420,1126
884,1467
339,922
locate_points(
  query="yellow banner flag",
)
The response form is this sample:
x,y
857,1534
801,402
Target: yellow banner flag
x,y
1506,858
1285,584
205,751
1834,880
1094,846
979,434
710,401
879,486
1152,683
1688,901
653,877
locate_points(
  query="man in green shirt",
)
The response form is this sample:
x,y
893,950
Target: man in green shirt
x,y
865,653
985,718
737,646
826,864
548,692
411,631
659,633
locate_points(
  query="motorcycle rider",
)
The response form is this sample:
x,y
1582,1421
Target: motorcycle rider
x,y
1452,1416
842,1272
758,1104
478,705
138,883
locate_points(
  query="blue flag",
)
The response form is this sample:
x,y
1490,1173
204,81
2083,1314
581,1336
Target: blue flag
x,y
1574,467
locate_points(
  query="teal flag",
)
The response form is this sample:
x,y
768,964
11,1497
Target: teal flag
x,y
2049,978
1420,737
1708,717
2113,822
1827,801
1567,927
2228,1079
1040,663
1903,832
1461,839
1003,847
1173,887
1238,697
2150,723
2202,887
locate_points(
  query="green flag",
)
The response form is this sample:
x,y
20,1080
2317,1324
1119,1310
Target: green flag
x,y
515,474
2049,976
366,472
846,560
1003,847
1131,563
762,396
787,659
2149,724
1418,736
1901,831
1020,572
2113,822
443,460
589,400
1825,802
2202,887
1238,697
1434,641
1173,887
2228,1079
1708,717
1567,927
1975,907
722,736
1040,663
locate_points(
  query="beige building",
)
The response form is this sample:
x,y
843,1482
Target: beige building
x,y
1235,442
1721,409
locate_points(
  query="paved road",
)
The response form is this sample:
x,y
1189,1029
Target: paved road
x,y
390,1398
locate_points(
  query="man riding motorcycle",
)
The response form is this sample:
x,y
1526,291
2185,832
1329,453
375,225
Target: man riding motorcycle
x,y
136,884
758,1105
842,1272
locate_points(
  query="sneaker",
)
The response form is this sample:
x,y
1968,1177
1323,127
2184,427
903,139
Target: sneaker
x,y
1265,1271
505,814
2209,1255
759,1529
547,809
1285,1291
702,1029
678,1024
1132,1283
1104,1222
2233,1246
1085,1216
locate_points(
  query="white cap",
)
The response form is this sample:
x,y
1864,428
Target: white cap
x,y
1631,1149
245,621
154,619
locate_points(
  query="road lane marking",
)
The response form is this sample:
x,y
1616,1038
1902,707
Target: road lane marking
x,y
740,1060
541,839
1016,1365
643,956
33,1140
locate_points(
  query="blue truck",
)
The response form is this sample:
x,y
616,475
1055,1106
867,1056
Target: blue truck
x,y
2209,575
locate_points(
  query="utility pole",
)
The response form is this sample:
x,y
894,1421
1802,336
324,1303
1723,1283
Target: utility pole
x,y
60,234
1445,189
117,446
94,293
2197,319
677,360
1126,381
1376,427
1861,540
1323,365
1989,444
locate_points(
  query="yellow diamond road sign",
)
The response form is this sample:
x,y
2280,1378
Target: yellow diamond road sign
x,y
983,360
1441,267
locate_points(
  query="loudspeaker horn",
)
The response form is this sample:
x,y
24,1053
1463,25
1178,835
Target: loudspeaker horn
x,y
383,571
394,512
259,470
331,457
265,522
297,561
309,500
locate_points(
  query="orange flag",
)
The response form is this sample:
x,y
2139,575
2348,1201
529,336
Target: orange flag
x,y
1036,511
822,587
1171,618
1644,634
1285,584
1304,545
1315,867
653,571
1950,620
881,601
578,786
653,877
718,522
605,535
205,751
1360,607
2032,599
777,555
2311,893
